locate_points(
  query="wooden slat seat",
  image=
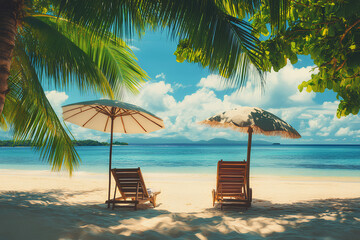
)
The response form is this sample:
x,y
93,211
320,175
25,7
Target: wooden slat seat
x,y
131,185
231,185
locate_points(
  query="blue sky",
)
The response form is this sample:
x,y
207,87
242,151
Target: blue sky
x,y
183,94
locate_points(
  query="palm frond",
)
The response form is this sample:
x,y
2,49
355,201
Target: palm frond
x,y
238,8
31,116
278,14
3,124
228,43
112,56
206,24
123,17
58,61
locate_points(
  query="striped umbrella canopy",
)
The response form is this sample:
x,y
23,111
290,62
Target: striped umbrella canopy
x,y
112,116
252,120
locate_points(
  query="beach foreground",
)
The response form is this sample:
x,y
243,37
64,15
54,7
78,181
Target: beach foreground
x,y
47,205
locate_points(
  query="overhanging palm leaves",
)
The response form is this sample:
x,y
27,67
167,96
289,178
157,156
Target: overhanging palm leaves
x,y
213,27
38,121
94,63
278,14
53,52
229,46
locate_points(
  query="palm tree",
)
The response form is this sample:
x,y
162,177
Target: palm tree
x,y
67,42
53,52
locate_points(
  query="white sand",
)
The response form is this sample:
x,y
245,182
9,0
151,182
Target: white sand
x,y
45,205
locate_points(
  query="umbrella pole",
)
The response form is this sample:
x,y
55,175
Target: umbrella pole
x,y
250,131
110,156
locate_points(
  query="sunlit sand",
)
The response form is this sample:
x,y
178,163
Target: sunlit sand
x,y
53,206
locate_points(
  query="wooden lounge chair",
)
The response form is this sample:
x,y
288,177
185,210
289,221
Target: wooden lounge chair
x,y
131,185
231,184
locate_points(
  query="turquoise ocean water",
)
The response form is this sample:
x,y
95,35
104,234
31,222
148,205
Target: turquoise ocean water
x,y
273,160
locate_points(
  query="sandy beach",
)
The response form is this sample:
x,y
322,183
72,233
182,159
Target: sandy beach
x,y
46,205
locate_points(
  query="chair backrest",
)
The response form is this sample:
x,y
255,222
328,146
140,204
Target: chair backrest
x,y
127,180
231,177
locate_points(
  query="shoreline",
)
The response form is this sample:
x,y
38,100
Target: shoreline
x,y
64,174
302,177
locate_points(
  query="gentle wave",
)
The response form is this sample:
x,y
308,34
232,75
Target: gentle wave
x,y
200,158
328,166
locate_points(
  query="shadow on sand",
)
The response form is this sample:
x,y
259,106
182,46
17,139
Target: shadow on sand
x,y
29,215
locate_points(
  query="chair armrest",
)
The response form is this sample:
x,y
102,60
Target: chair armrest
x,y
152,193
156,193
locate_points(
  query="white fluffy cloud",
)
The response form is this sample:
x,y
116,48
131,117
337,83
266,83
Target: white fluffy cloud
x,y
181,117
155,97
160,75
280,90
56,99
81,133
343,132
346,131
133,48
315,122
212,81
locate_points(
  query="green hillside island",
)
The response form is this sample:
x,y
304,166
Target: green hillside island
x,y
27,143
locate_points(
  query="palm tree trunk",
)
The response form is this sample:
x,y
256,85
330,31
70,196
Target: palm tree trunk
x,y
8,20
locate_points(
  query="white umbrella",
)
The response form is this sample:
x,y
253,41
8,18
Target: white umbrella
x,y
112,116
252,120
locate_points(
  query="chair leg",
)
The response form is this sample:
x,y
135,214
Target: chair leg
x,y
246,194
153,201
214,197
113,206
137,193
222,198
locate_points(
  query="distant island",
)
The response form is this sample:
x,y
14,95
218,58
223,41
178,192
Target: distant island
x,y
96,143
27,143
145,141
186,141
